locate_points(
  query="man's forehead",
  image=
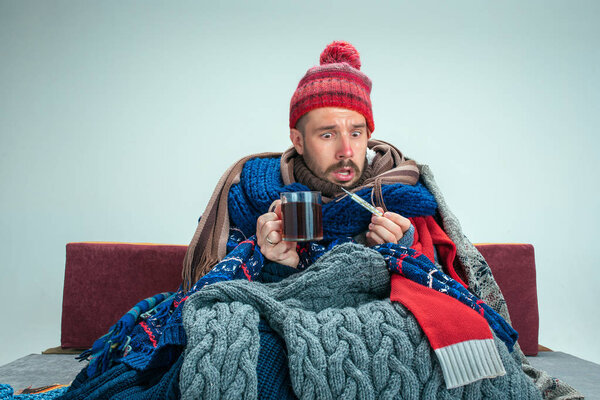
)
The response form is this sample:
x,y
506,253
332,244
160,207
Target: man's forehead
x,y
329,127
329,117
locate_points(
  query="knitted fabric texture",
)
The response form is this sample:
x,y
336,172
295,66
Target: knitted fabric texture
x,y
273,378
122,382
337,82
208,245
399,259
117,338
344,339
158,337
8,393
261,184
329,189
477,272
418,268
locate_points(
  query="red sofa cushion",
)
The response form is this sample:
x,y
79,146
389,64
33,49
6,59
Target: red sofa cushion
x,y
104,280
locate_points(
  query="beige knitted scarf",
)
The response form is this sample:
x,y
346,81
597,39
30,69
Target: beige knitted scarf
x,y
208,245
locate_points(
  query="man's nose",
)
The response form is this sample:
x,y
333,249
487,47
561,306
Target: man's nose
x,y
344,147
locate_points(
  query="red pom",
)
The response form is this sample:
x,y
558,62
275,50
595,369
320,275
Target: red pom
x,y
338,52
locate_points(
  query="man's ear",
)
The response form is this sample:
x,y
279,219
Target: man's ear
x,y
297,140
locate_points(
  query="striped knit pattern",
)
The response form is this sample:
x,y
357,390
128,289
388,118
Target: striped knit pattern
x,y
337,82
467,362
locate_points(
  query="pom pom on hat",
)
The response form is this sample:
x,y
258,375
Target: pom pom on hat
x,y
338,52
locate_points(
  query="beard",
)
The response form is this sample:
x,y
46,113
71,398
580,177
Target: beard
x,y
358,173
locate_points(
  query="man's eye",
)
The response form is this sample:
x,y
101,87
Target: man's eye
x,y
356,133
326,135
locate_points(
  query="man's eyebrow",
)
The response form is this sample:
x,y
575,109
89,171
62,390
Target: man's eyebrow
x,y
330,127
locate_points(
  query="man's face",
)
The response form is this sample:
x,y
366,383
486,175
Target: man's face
x,y
334,144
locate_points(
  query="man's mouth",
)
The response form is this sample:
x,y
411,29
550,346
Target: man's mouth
x,y
344,174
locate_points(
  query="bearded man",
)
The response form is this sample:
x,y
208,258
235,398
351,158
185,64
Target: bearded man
x,y
331,145
331,123
240,236
377,309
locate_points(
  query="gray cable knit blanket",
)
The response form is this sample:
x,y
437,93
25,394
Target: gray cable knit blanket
x,y
345,339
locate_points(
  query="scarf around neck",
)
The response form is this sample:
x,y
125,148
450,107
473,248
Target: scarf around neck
x,y
305,176
209,243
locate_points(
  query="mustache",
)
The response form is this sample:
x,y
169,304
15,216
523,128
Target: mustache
x,y
343,164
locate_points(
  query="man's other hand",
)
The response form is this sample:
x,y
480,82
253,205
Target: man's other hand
x,y
268,236
387,229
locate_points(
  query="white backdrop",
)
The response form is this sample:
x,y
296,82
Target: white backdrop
x,y
117,119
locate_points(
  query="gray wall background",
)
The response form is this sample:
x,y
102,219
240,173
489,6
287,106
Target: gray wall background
x,y
117,119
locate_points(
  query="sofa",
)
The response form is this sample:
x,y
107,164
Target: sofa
x,y
103,280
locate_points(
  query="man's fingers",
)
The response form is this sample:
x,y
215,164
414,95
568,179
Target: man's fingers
x,y
268,235
389,225
374,238
265,226
276,208
269,227
273,237
281,249
398,219
383,233
263,219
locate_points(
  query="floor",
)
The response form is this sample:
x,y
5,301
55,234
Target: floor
x,y
581,374
37,370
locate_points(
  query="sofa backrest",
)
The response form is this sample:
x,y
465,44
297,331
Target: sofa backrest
x,y
105,280
513,267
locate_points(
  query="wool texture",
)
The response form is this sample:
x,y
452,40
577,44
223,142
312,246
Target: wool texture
x,y
261,184
471,262
122,382
419,269
117,338
344,338
273,378
328,189
209,243
158,337
7,393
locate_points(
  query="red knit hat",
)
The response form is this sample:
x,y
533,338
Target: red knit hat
x,y
337,82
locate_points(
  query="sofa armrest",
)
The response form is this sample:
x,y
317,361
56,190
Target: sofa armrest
x,y
104,280
513,267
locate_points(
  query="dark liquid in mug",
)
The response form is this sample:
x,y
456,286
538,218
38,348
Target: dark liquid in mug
x,y
302,221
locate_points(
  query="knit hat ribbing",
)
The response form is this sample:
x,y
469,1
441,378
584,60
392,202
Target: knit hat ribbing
x,y
337,82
